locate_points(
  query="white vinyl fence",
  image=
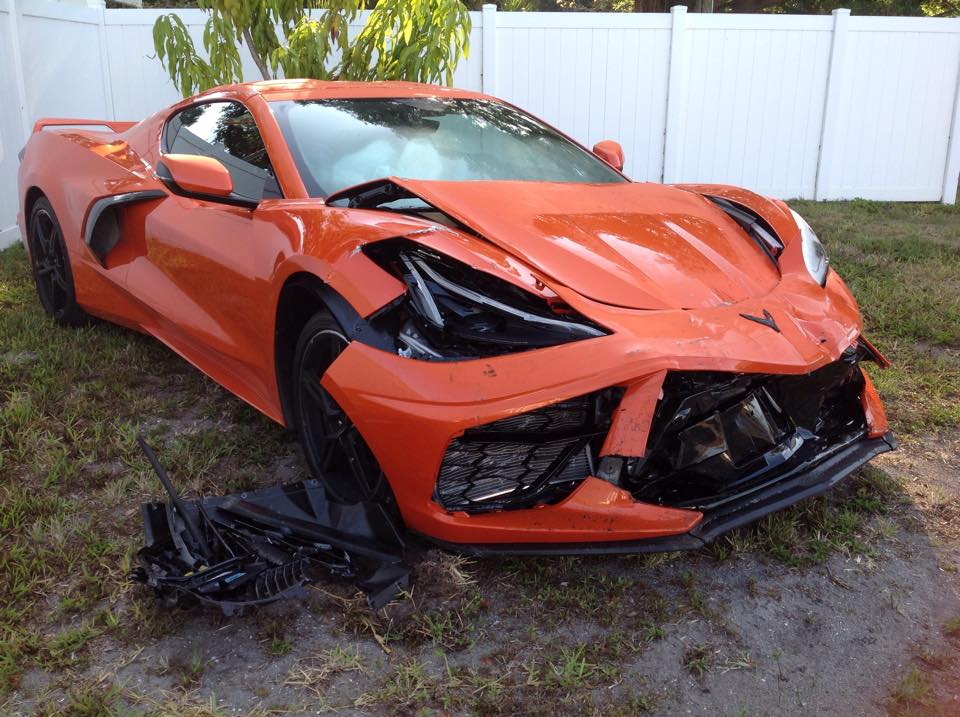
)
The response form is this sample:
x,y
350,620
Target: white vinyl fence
x,y
825,107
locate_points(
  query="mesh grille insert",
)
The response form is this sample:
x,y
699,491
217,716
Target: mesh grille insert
x,y
523,460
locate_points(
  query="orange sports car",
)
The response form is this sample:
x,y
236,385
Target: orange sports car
x,y
468,317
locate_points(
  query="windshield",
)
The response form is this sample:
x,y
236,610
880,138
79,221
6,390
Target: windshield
x,y
339,143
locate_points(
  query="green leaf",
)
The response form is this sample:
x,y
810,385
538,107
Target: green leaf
x,y
416,39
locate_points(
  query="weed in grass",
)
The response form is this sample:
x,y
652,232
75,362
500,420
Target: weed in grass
x,y
652,632
407,686
698,659
89,700
313,673
934,660
640,704
697,601
912,689
66,648
572,669
743,660
444,628
188,671
566,668
272,629
278,647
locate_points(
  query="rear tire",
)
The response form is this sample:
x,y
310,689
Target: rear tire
x,y
50,262
333,447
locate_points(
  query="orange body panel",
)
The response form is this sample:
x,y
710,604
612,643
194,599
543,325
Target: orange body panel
x,y
633,417
874,410
662,268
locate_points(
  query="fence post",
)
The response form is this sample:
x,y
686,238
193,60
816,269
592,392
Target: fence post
x,y
101,7
676,97
17,54
831,104
488,71
951,171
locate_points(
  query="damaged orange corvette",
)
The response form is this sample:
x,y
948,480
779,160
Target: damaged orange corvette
x,y
466,315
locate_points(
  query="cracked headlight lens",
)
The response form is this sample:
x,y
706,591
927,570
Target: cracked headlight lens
x,y
814,255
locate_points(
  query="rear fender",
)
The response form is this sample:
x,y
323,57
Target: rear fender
x,y
88,167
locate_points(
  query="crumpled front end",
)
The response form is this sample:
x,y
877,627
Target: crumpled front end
x,y
598,446
727,447
512,411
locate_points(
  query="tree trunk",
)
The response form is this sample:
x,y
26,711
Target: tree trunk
x,y
261,64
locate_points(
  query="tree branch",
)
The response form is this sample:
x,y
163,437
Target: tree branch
x,y
261,65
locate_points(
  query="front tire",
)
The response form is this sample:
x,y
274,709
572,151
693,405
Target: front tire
x,y
50,262
333,447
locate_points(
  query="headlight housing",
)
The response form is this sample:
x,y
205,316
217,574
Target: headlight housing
x,y
814,255
452,311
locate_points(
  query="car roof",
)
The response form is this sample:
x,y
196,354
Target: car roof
x,y
334,89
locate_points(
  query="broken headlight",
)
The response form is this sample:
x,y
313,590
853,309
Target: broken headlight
x,y
814,255
453,311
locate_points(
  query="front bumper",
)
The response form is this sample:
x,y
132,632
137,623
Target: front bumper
x,y
409,412
782,494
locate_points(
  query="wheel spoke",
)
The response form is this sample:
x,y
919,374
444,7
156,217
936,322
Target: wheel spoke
x,y
337,451
44,234
314,391
349,446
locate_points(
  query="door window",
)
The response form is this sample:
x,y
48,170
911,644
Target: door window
x,y
227,132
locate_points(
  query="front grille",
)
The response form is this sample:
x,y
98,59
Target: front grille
x,y
718,436
527,459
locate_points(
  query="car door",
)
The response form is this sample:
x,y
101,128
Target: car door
x,y
202,272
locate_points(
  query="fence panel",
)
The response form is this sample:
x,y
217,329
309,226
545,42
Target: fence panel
x,y
593,76
11,129
896,104
62,63
754,102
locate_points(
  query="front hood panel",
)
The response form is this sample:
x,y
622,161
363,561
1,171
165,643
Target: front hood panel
x,y
643,246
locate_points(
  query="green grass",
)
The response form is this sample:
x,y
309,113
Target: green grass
x,y
913,690
71,405
902,262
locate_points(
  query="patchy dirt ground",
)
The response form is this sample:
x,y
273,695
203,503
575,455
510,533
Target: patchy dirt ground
x,y
736,629
849,603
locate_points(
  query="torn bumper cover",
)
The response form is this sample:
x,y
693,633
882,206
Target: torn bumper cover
x,y
724,449
255,547
747,509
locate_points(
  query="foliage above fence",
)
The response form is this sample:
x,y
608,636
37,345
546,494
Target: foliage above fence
x,y
417,40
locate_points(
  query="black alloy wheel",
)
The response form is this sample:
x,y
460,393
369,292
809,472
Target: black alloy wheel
x,y
51,267
333,447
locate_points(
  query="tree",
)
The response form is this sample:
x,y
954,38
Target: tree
x,y
417,40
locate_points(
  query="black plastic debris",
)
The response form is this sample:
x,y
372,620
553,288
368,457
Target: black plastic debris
x,y
255,547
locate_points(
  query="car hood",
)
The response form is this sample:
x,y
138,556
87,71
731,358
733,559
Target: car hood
x,y
644,246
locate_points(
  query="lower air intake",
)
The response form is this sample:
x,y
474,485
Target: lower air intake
x,y
530,458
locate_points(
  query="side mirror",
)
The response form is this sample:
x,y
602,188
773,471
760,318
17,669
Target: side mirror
x,y
201,177
610,152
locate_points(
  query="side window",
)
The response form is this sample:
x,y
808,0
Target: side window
x,y
227,132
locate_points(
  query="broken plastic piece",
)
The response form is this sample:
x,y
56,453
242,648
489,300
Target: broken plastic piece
x,y
259,546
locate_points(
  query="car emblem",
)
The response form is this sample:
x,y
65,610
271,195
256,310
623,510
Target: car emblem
x,y
766,320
